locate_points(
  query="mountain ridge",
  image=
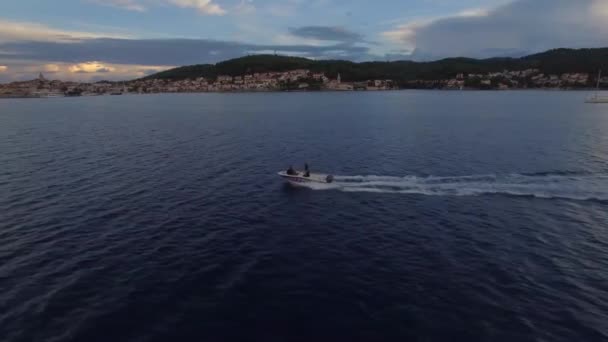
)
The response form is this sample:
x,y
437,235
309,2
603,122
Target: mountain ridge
x,y
555,61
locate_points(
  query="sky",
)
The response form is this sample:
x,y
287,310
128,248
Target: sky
x,y
90,40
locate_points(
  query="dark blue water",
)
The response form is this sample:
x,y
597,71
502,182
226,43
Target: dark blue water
x,y
462,216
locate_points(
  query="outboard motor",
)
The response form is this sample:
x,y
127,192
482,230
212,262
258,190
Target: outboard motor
x,y
329,178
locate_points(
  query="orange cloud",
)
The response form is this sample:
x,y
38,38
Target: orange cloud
x,y
51,68
83,72
109,71
90,67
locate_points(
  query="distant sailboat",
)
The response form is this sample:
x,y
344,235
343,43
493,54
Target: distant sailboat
x,y
596,98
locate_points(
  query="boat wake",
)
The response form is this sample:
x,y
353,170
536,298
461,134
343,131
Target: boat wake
x,y
566,185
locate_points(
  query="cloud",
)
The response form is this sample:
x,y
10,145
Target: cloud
x,y
86,71
331,33
131,5
281,9
51,68
290,8
163,51
25,31
3,68
407,33
245,7
206,7
90,67
520,27
119,59
600,9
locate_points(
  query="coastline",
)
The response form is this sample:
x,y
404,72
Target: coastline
x,y
313,91
554,70
276,91
302,80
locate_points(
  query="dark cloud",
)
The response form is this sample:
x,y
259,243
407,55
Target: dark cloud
x,y
331,33
164,51
518,28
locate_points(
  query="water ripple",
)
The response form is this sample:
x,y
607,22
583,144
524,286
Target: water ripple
x,y
160,218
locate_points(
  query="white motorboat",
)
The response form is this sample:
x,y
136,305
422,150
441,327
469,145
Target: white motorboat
x,y
300,178
596,98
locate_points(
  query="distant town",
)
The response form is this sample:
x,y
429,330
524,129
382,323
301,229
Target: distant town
x,y
295,80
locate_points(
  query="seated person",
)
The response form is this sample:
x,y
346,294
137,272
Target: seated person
x,y
291,171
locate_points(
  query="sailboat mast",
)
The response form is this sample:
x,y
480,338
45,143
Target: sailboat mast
x,y
599,77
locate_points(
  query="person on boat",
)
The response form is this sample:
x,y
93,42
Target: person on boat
x,y
306,170
291,171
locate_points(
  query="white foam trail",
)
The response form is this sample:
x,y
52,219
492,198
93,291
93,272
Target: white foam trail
x,y
567,186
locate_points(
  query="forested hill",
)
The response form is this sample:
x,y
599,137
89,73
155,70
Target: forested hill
x,y
556,61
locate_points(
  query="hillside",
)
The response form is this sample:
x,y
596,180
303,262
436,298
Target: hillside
x,y
557,61
561,61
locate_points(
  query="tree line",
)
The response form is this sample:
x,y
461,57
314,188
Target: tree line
x,y
558,61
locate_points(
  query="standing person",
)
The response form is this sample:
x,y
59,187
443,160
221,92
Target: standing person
x,y
306,170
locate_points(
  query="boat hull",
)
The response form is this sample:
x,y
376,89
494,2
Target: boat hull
x,y
299,179
597,100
